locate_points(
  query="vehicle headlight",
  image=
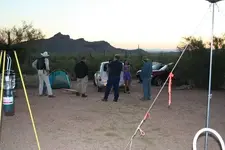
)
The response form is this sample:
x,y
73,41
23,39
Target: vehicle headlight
x,y
104,82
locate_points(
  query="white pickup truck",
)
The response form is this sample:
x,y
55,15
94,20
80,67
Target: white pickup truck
x,y
101,77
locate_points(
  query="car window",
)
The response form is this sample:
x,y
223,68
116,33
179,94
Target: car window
x,y
157,66
105,67
164,67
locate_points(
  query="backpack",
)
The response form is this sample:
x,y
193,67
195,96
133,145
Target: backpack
x,y
41,64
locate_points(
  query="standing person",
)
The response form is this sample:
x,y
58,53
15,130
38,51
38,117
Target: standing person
x,y
115,68
146,73
42,66
110,60
126,76
81,71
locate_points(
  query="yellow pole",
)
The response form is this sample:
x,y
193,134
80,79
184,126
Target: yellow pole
x,y
28,103
2,85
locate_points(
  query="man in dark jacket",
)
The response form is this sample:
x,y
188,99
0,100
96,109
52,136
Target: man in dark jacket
x,y
114,71
81,71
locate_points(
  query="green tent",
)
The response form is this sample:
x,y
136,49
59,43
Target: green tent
x,y
59,79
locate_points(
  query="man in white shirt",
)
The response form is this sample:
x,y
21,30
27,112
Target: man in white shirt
x,y
42,66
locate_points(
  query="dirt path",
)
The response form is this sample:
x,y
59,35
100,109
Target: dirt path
x,y
73,123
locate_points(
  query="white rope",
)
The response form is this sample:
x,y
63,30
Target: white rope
x,y
130,143
211,131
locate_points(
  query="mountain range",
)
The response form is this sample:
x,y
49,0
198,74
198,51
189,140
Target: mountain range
x,y
60,43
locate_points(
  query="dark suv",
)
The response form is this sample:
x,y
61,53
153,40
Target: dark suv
x,y
160,73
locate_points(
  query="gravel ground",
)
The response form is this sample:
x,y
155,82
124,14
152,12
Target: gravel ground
x,y
68,122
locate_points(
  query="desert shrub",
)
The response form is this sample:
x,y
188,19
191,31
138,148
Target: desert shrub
x,y
218,69
194,66
67,63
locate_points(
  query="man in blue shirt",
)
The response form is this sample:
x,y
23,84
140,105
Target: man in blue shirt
x,y
114,71
145,74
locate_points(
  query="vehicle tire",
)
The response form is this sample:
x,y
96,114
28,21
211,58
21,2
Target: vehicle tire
x,y
140,80
94,83
158,81
99,89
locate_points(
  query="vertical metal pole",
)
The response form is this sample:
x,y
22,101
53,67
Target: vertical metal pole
x,y
2,88
210,79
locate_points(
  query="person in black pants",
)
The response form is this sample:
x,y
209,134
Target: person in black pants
x,y
114,71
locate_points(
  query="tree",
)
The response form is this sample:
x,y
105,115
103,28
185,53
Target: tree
x,y
193,44
11,38
194,65
126,54
218,42
15,35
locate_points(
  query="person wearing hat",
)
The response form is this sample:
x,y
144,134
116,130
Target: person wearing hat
x,y
145,74
114,71
42,66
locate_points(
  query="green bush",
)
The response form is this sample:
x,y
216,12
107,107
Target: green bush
x,y
193,66
67,63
